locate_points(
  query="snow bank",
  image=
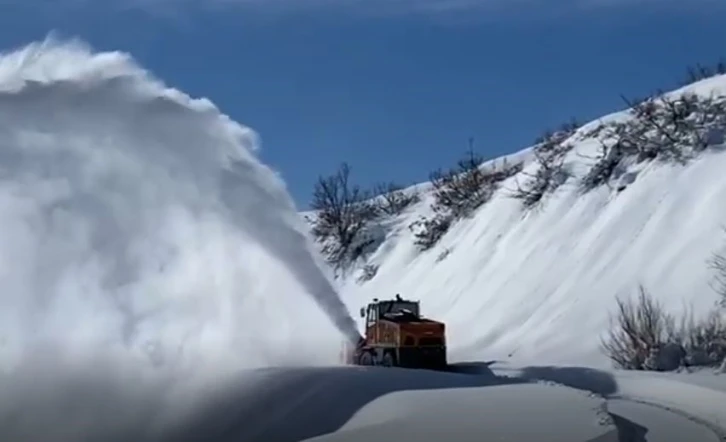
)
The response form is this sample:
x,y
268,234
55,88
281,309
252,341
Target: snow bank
x,y
538,287
143,246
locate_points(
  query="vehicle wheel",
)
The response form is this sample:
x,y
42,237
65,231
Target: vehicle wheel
x,y
388,360
365,359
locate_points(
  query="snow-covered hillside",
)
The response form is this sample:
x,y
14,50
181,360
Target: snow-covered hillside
x,y
539,285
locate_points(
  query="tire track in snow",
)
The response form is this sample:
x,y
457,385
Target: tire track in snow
x,y
718,432
627,432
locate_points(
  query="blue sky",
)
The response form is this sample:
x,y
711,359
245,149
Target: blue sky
x,y
395,88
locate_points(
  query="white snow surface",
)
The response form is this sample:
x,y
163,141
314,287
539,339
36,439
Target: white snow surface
x,y
158,285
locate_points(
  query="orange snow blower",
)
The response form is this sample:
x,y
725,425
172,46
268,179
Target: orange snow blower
x,y
398,336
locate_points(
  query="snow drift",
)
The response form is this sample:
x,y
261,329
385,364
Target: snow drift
x,y
538,286
143,246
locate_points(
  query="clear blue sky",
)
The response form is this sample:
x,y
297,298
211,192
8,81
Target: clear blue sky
x,y
396,93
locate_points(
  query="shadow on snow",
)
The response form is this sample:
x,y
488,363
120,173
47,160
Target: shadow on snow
x,y
277,408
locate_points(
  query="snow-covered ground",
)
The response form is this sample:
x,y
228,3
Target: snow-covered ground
x,y
157,286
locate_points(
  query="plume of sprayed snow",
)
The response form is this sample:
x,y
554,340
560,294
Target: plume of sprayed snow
x,y
145,253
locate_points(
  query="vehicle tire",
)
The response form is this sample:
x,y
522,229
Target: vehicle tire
x,y
365,358
388,360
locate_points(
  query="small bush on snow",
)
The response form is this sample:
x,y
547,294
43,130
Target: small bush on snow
x,y
637,329
393,199
457,193
343,212
368,272
428,231
717,262
463,188
672,128
609,158
643,336
700,72
549,155
704,340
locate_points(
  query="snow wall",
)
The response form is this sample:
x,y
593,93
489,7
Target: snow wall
x,y
145,253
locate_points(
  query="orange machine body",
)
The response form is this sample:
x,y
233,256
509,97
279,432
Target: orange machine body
x,y
397,335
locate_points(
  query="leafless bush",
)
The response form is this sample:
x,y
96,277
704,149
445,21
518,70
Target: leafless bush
x,y
569,128
393,199
428,231
549,155
343,211
556,140
463,188
675,128
609,158
457,193
664,127
700,72
704,341
644,336
717,262
368,272
637,330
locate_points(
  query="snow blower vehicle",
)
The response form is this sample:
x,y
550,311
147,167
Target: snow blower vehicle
x,y
396,335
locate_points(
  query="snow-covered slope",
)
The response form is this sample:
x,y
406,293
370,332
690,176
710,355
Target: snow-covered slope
x,y
539,286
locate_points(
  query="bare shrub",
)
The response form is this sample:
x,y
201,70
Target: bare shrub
x,y
638,329
463,188
368,272
567,129
343,211
717,262
556,140
549,155
643,336
704,341
393,199
675,128
700,72
670,128
457,193
428,231
715,326
609,158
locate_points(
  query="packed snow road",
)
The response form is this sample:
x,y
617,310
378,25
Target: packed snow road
x,y
352,404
